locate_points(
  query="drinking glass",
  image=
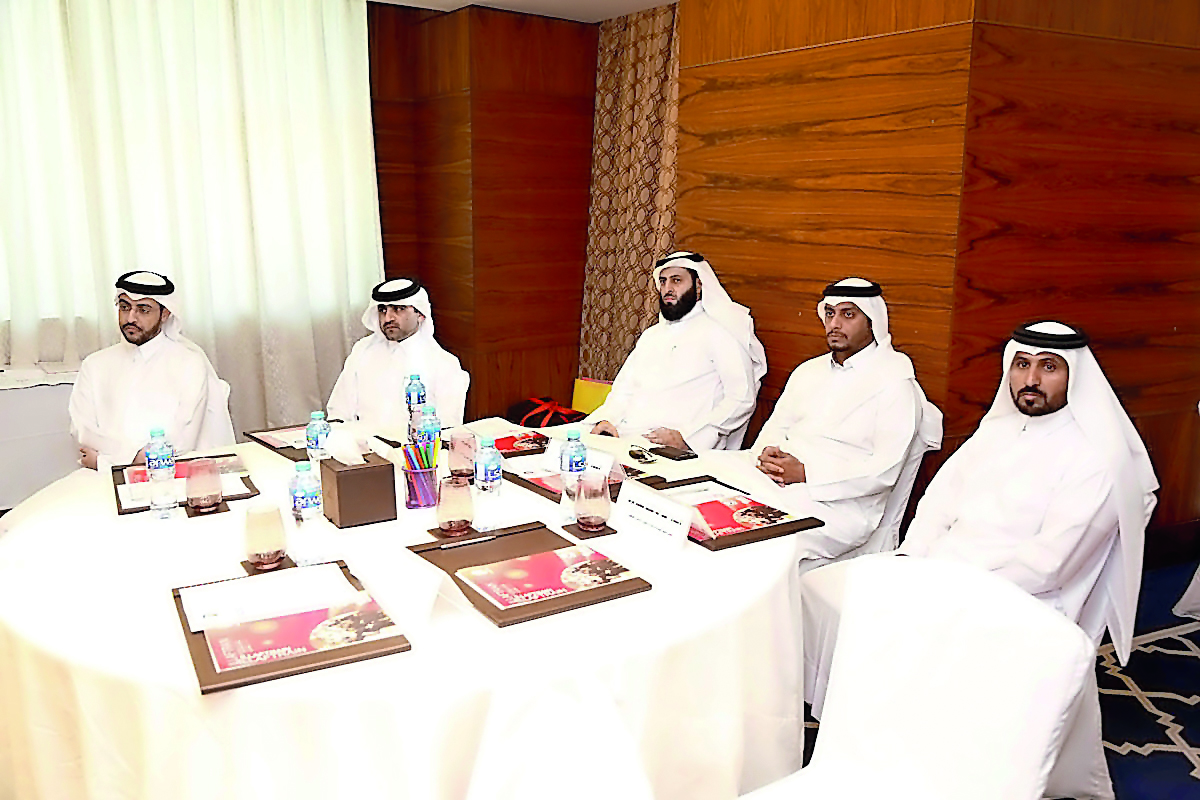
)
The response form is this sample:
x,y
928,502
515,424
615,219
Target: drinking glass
x,y
266,538
455,510
592,502
203,485
462,454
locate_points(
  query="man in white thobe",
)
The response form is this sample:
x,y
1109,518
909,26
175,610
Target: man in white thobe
x,y
847,425
371,388
1053,492
155,378
692,378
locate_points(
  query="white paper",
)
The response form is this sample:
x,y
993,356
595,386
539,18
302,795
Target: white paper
x,y
289,591
137,495
552,458
647,510
599,461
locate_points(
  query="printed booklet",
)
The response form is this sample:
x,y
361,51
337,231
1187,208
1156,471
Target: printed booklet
x,y
542,576
722,511
266,640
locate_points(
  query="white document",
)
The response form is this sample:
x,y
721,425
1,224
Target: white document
x,y
289,591
648,510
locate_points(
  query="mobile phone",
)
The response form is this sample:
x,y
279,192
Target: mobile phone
x,y
673,453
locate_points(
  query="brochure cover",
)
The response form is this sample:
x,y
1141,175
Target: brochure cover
x,y
520,443
733,514
263,641
553,480
542,576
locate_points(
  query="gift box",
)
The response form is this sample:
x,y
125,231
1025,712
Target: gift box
x,y
358,494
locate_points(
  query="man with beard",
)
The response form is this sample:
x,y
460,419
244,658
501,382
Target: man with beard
x,y
1053,492
370,389
155,378
847,425
692,378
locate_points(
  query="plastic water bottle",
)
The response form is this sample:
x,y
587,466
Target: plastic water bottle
x,y
315,435
431,426
160,465
488,467
414,396
306,492
572,461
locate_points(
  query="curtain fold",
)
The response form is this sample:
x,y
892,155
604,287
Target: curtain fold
x,y
632,214
226,144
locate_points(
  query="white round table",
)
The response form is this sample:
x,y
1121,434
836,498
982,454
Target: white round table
x,y
695,686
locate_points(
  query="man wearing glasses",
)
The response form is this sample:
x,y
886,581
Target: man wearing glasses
x,y
153,378
692,378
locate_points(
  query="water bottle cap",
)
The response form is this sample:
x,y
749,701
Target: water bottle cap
x,y
572,435
488,442
303,466
156,433
414,377
317,415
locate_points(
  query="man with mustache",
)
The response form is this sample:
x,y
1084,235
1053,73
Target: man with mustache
x,y
1053,492
692,378
154,378
846,425
370,389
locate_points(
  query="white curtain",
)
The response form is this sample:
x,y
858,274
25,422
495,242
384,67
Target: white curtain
x,y
226,143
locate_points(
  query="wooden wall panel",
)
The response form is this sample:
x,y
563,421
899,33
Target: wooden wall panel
x,y
532,106
719,30
1174,22
802,168
1082,202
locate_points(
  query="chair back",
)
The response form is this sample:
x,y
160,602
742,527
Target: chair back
x,y
949,681
589,394
886,536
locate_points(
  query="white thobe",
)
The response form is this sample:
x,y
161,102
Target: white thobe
x,y
371,388
851,429
690,375
125,391
1029,498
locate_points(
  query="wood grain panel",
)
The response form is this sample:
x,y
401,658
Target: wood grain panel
x,y
547,57
1175,22
711,31
503,377
1082,202
443,54
801,168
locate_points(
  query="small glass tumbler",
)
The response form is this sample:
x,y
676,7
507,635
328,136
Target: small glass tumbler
x,y
455,511
420,487
462,454
203,485
266,538
592,502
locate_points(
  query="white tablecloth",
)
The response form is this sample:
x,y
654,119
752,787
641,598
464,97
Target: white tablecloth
x,y
98,697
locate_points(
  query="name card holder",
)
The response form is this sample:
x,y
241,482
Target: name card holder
x,y
644,510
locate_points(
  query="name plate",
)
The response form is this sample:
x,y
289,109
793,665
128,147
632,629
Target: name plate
x,y
599,461
645,510
552,458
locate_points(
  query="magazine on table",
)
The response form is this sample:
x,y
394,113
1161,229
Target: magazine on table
x,y
720,510
521,442
263,641
543,576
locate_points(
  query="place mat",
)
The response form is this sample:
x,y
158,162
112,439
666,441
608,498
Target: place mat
x,y
293,453
213,681
118,479
746,537
530,538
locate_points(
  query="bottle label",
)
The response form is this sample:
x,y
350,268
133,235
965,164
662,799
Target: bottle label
x,y
305,498
314,437
491,473
576,462
160,461
416,397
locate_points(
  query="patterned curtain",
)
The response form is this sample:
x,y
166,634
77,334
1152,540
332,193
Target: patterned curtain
x,y
633,184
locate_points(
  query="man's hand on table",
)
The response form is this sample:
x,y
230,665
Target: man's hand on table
x,y
605,428
87,457
781,467
668,437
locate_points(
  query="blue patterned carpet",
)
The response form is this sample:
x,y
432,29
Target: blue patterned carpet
x,y
1151,708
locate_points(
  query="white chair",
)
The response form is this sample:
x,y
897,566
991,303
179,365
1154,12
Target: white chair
x,y
948,682
886,536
